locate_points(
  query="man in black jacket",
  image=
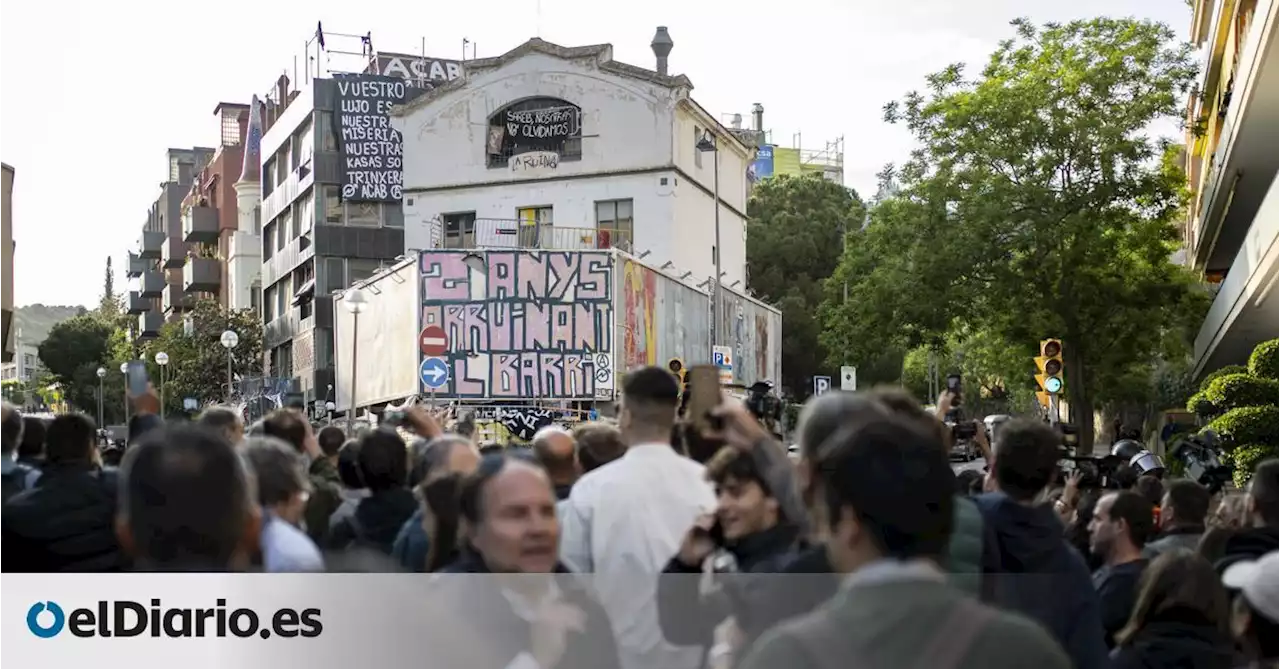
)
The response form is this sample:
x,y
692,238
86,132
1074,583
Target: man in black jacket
x,y
746,534
66,522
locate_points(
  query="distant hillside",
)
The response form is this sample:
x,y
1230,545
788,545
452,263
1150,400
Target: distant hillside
x,y
34,321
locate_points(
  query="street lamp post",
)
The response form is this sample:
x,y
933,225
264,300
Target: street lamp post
x,y
162,359
102,374
229,341
124,371
355,302
709,144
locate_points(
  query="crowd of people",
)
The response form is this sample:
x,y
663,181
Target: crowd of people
x,y
637,543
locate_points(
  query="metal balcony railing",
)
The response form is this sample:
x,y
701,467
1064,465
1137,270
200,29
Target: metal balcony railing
x,y
493,233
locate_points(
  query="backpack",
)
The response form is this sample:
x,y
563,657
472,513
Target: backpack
x,y
16,480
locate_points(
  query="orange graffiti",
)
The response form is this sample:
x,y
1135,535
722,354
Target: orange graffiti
x,y
639,286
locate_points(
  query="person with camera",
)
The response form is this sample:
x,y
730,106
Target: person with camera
x,y
746,534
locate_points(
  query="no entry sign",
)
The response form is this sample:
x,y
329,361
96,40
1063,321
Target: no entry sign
x,y
433,341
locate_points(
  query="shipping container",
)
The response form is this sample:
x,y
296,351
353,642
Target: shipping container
x,y
537,325
753,330
379,348
659,318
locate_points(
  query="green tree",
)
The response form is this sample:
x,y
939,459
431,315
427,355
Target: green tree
x,y
72,353
1241,403
197,362
794,235
1038,206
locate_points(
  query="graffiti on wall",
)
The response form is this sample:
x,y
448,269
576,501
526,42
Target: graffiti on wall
x,y
639,287
523,324
751,330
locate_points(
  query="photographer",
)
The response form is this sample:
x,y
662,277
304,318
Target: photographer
x,y
746,534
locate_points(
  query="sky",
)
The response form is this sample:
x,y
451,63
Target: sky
x,y
93,93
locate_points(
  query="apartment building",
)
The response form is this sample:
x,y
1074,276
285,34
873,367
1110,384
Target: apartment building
x,y
7,248
25,366
210,214
168,272
1231,162
314,240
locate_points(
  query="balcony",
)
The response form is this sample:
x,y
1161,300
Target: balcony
x,y
1239,168
173,252
492,233
201,275
149,324
135,265
151,283
200,225
149,245
135,303
1243,312
176,300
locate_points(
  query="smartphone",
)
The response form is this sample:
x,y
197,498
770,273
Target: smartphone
x,y
704,389
953,383
137,375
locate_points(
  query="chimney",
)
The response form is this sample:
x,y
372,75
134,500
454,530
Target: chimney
x,y
757,117
737,121
661,46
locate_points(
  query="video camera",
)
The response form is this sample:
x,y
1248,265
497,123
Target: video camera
x,y
1095,473
1198,454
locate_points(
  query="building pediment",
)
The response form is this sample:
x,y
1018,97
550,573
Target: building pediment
x,y
596,56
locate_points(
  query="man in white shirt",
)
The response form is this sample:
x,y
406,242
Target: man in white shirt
x,y
624,521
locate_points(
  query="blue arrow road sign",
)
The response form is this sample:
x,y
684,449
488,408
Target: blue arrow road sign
x,y
434,373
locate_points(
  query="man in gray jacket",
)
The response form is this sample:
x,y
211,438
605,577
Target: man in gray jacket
x,y
885,494
1182,515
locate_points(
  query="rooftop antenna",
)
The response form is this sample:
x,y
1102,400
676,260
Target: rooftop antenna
x,y
465,42
538,24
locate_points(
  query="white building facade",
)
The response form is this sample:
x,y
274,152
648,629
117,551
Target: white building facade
x,y
564,148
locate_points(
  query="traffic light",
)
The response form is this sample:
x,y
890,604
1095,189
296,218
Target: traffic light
x,y
1049,367
677,369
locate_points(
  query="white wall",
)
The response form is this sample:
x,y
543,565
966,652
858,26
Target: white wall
x,y
626,122
694,231
628,125
573,206
387,363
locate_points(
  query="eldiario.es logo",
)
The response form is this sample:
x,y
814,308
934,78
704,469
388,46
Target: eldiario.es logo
x,y
124,618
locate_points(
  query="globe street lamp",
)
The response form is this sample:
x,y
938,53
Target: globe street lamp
x,y
229,341
162,359
102,374
124,371
355,302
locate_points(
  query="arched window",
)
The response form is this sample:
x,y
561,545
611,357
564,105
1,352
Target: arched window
x,y
535,124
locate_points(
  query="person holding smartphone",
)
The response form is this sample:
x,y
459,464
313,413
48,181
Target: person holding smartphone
x,y
747,534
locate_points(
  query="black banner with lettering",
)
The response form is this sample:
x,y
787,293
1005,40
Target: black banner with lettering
x,y
371,149
542,127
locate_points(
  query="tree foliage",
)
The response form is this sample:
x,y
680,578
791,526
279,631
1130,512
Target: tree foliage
x,y
794,236
72,353
993,373
1036,206
197,362
1243,407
